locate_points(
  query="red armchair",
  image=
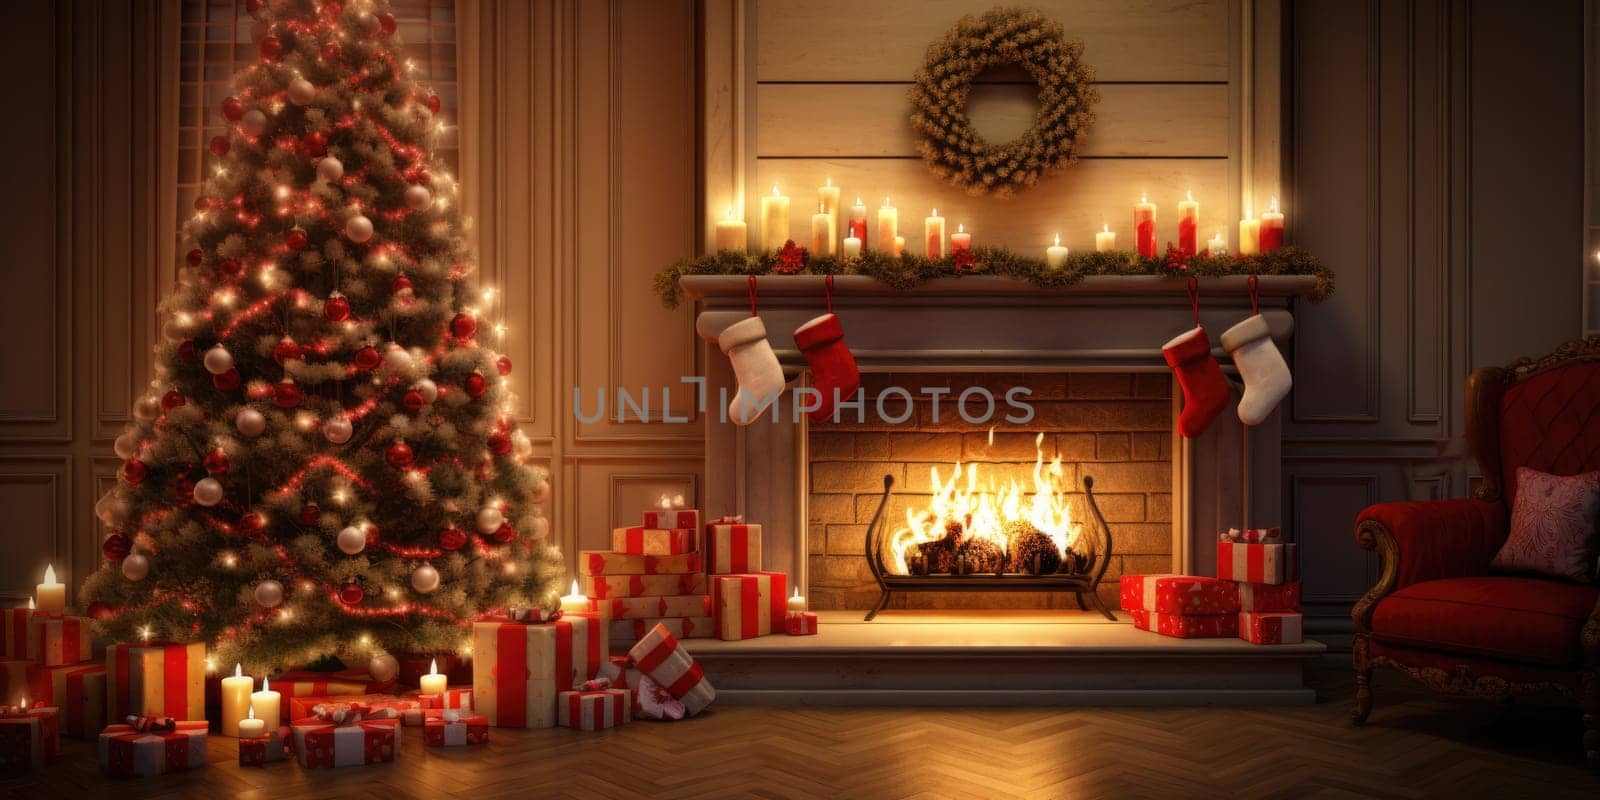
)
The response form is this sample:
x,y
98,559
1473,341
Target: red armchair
x,y
1437,612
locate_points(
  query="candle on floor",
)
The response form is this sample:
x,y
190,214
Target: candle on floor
x,y
1144,227
235,700
1249,236
797,602
1106,240
851,248
960,241
1271,227
858,222
1188,223
1055,256
888,226
731,234
899,246
1217,246
774,220
933,234
52,596
266,703
574,602
252,728
821,233
828,196
433,682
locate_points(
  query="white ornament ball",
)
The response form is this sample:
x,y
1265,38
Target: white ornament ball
x,y
330,169
250,422
540,528
135,567
269,593
301,91
418,197
541,492
147,408
490,519
218,360
367,23
175,330
428,389
127,445
383,667
208,491
425,579
352,540
358,228
254,122
398,358
112,509
337,430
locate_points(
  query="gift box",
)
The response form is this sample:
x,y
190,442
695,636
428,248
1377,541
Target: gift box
x,y
1271,627
642,541
607,587
672,518
455,698
518,668
453,729
55,640
147,748
29,739
1185,595
319,743
1256,556
632,630
1213,626
301,683
594,562
19,681
732,548
686,605
747,606
800,623
302,707
159,679
262,750
660,657
1269,597
79,692
595,710
15,644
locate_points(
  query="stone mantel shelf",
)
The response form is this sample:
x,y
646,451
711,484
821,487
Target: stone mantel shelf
x,y
785,290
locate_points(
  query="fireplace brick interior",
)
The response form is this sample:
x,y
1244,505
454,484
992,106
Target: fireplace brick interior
x,y
1113,426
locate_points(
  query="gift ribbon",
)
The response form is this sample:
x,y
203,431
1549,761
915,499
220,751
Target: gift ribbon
x,y
152,724
1254,285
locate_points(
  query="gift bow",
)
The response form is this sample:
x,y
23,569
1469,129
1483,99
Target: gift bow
x,y
534,615
729,519
342,714
152,724
1252,535
593,685
450,715
656,702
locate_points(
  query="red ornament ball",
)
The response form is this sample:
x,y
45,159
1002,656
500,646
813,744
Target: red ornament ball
x,y
227,381
271,47
309,513
401,285
216,462
503,364
499,443
172,399
296,239
350,594
387,23
231,267
252,523
195,257
373,537
464,326
414,401
232,109
367,359
287,350
116,547
399,455
99,610
476,385
331,52
134,471
336,308
188,353
252,6
452,539
286,394
433,103
219,146
314,144
505,533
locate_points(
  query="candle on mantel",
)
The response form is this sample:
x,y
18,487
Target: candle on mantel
x,y
828,196
933,234
774,220
235,698
1055,256
899,246
1188,223
821,232
1106,240
1272,227
960,241
1144,227
52,595
797,602
731,233
433,682
267,703
574,603
858,222
888,226
250,727
1217,246
851,248
1249,236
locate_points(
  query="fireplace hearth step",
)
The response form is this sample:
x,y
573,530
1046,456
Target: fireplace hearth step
x,y
973,658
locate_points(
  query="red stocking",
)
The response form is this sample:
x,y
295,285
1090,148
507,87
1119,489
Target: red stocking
x,y
1205,391
833,368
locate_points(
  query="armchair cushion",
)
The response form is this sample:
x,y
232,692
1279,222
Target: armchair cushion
x,y
1552,526
1551,422
1441,538
1524,620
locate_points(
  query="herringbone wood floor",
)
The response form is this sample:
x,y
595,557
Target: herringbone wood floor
x,y
1415,746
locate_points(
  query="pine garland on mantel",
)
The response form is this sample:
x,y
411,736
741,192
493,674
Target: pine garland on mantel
x,y
909,271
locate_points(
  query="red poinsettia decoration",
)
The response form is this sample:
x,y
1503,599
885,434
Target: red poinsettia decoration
x,y
964,259
791,259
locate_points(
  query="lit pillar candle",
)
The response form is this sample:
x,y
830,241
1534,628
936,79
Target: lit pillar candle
x,y
52,596
235,700
266,703
1144,227
888,226
960,241
828,196
899,246
1055,256
574,603
933,234
1217,246
821,232
1249,236
1188,224
851,247
250,727
774,220
731,234
1272,227
858,223
433,682
797,602
1106,240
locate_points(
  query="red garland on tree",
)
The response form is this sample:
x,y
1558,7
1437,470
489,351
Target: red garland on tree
x,y
791,259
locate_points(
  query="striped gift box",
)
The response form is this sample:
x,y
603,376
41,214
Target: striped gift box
x,y
595,562
660,656
14,644
687,605
642,541
733,548
1185,595
1271,627
1248,562
595,710
79,691
672,518
56,639
519,668
606,587
126,752
451,728
801,623
1269,597
158,679
747,606
1213,626
632,630
28,740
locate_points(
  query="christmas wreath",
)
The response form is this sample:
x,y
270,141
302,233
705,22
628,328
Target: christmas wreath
x,y
1001,37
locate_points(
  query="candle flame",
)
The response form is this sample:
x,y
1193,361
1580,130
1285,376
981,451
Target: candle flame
x,y
265,686
858,201
822,208
574,587
961,228
730,212
1273,205
826,181
1142,198
31,606
664,502
251,714
797,592
50,573
774,190
1188,194
433,667
24,704
1106,228
885,202
1058,244
238,670
934,213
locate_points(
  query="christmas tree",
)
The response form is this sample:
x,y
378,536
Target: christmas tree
x,y
327,462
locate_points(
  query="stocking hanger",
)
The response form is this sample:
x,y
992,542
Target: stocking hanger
x,y
1194,299
827,291
1255,294
753,296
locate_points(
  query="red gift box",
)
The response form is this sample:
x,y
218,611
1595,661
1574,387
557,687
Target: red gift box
x,y
632,630
747,606
15,622
519,668
55,640
79,691
262,750
733,548
639,540
322,744
452,729
1269,597
1215,626
1185,595
158,679
302,683
19,681
800,623
1271,627
664,660
29,739
454,698
608,587
687,605
594,562
1256,556
126,751
595,710
302,707
672,518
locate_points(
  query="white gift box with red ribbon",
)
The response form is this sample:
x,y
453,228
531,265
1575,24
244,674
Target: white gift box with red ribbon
x,y
660,657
